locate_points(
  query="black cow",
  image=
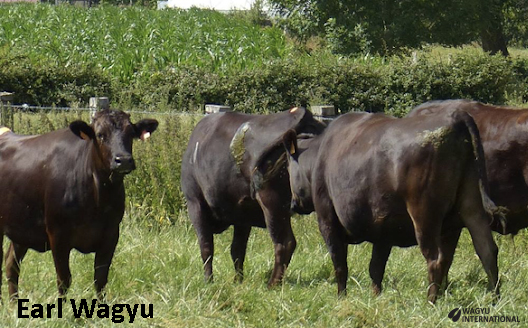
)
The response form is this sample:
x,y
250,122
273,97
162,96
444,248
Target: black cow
x,y
222,187
505,140
395,182
64,190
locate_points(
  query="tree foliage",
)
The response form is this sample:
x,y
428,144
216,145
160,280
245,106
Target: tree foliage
x,y
386,26
516,22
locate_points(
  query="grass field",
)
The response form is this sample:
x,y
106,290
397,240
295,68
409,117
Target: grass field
x,y
157,262
161,266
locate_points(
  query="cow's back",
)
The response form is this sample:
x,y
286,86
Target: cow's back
x,y
29,164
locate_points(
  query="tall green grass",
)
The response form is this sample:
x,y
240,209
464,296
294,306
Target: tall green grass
x,y
135,40
162,266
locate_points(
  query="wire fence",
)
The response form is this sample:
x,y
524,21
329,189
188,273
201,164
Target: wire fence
x,y
10,112
20,118
156,181
28,108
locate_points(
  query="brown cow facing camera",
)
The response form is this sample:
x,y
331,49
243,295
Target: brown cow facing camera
x,y
394,182
64,190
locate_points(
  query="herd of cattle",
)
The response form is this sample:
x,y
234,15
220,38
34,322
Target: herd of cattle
x,y
369,177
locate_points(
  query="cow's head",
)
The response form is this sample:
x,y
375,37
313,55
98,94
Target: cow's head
x,y
285,149
257,145
300,162
112,133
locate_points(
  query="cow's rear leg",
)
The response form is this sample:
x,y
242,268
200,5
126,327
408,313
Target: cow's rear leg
x,y
285,244
378,262
14,256
427,219
487,251
429,245
200,218
337,246
278,222
103,260
448,246
238,249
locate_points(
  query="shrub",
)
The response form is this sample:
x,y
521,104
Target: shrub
x,y
351,85
45,84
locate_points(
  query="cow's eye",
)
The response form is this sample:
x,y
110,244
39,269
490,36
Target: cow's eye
x,y
101,136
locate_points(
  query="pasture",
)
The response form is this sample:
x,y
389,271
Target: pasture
x,y
157,262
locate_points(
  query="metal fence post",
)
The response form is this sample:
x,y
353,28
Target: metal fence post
x,y
212,108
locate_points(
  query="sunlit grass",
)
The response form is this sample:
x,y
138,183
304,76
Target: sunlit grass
x,y
161,266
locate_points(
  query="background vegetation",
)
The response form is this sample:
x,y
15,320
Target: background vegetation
x,y
388,26
180,60
167,61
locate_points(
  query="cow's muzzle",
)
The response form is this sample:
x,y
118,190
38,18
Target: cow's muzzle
x,y
123,164
297,207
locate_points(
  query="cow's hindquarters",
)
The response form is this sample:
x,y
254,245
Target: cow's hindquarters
x,y
476,209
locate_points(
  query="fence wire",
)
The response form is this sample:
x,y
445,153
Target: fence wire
x,y
29,108
8,111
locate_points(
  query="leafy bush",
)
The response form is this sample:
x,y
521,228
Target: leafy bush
x,y
350,85
466,75
43,83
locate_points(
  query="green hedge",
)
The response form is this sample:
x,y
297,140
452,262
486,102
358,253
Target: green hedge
x,y
393,86
365,85
46,84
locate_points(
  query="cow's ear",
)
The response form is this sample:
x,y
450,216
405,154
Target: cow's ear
x,y
82,130
289,142
145,127
270,162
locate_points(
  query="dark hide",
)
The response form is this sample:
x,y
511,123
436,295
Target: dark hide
x,y
397,182
504,133
223,189
64,190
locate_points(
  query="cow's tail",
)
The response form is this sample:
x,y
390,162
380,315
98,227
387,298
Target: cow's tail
x,y
496,212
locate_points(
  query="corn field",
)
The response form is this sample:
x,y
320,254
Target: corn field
x,y
129,41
